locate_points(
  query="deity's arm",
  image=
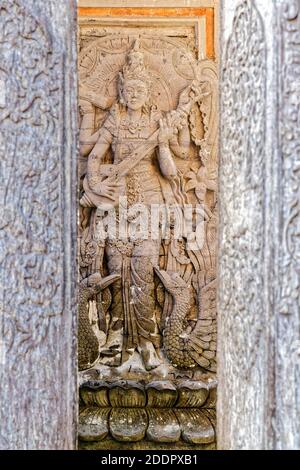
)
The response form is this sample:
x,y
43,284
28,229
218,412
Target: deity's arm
x,y
87,136
164,154
180,143
96,156
166,161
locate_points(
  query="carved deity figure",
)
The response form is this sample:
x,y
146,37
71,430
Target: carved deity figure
x,y
133,155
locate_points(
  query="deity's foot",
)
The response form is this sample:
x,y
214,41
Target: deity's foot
x,y
149,355
112,350
113,343
111,361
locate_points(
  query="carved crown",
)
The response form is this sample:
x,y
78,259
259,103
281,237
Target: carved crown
x,y
134,68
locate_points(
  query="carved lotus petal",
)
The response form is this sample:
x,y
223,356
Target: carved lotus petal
x,y
195,425
128,424
161,394
192,394
93,424
94,394
127,394
163,425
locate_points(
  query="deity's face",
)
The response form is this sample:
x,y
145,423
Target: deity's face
x,y
135,94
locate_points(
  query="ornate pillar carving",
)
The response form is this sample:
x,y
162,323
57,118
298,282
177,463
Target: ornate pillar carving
x,y
259,226
287,295
38,134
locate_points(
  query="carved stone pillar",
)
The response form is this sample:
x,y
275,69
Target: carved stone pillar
x,y
259,264
38,144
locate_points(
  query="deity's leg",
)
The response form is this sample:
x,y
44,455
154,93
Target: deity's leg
x,y
145,256
111,353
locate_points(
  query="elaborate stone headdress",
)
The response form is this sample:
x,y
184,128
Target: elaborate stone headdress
x,y
134,68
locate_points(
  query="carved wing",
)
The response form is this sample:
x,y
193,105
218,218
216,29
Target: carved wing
x,y
202,341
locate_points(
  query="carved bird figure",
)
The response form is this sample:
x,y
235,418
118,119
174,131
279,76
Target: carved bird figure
x,y
186,347
88,344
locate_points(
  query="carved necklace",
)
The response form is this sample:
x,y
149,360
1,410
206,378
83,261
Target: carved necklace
x,y
133,127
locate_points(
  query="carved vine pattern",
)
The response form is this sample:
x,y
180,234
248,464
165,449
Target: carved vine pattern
x,y
30,208
243,155
290,137
288,353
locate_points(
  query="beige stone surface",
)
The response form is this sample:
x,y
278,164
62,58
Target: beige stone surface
x,y
148,140
148,134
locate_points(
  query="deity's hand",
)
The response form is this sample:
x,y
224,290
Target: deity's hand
x,y
193,93
166,130
85,107
106,188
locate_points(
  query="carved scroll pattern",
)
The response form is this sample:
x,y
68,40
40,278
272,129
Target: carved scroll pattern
x,y
32,243
243,96
289,314
31,78
242,193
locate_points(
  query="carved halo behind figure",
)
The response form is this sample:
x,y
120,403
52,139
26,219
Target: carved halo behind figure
x,y
100,63
172,69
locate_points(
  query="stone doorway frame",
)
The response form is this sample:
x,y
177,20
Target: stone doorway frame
x,y
259,275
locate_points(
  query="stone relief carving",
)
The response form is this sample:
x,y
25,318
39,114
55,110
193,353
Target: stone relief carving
x,y
144,136
147,244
